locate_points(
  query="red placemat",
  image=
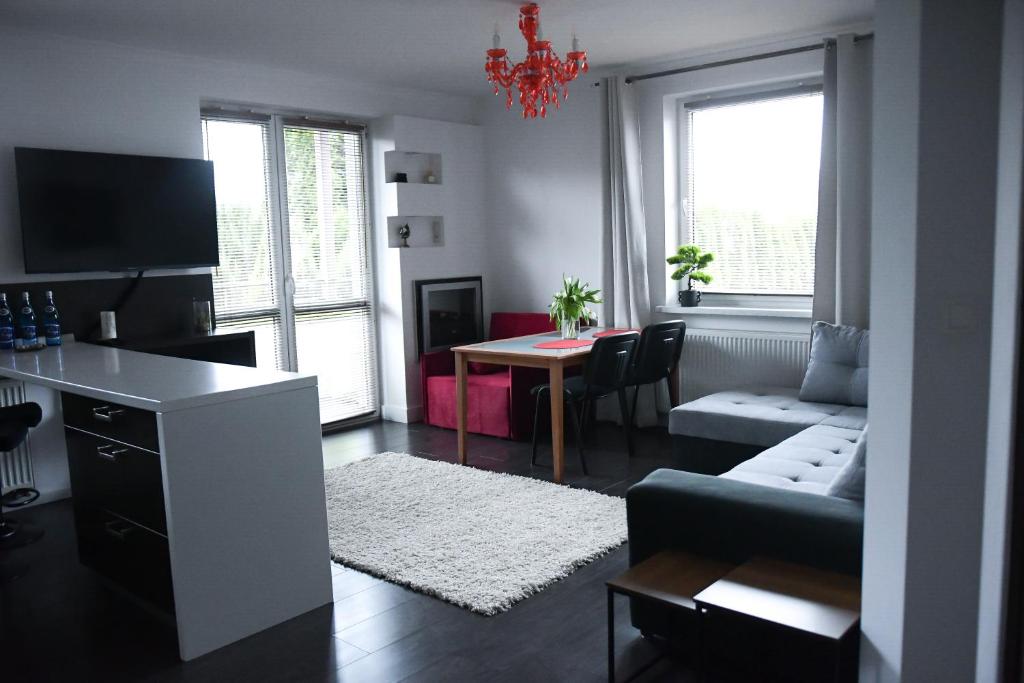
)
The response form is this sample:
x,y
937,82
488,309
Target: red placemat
x,y
614,330
564,344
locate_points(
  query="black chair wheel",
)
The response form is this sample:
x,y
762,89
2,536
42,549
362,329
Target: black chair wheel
x,y
19,497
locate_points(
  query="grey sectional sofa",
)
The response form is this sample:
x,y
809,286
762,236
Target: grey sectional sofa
x,y
764,471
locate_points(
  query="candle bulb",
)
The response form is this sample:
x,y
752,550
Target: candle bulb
x,y
575,43
497,37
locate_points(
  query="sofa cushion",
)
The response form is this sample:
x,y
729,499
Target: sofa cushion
x,y
760,416
837,371
849,482
810,461
487,403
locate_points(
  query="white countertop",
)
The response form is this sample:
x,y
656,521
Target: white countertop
x,y
143,380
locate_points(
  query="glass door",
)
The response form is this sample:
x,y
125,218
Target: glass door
x,y
295,267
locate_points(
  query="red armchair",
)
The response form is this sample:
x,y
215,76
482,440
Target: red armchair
x,y
498,396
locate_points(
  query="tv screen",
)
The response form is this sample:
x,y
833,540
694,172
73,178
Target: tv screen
x,y
85,211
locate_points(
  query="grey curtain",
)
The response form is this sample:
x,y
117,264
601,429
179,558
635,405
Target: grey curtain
x,y
843,248
626,288
626,293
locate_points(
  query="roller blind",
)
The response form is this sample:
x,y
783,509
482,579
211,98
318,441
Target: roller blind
x,y
753,191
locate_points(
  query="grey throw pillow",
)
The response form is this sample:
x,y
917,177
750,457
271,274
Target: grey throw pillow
x,y
849,482
837,371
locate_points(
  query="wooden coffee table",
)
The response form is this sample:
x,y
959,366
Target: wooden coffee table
x,y
803,620
671,578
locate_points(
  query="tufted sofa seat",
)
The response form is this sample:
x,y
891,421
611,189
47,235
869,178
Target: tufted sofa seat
x,y
808,461
759,416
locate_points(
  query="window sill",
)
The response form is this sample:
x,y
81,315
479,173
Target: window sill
x,y
746,312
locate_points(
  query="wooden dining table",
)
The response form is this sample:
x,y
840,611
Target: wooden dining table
x,y
522,351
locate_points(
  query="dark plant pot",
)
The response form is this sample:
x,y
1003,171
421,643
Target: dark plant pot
x,y
689,297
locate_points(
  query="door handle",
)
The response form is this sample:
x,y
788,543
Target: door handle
x,y
118,529
106,413
110,452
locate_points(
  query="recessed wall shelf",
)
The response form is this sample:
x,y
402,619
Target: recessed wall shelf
x,y
424,231
417,167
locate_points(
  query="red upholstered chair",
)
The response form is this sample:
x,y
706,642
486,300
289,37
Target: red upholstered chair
x,y
498,400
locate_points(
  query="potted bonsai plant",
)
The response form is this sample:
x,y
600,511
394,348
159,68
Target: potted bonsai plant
x,y
690,263
570,305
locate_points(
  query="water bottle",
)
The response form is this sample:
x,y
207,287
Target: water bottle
x,y
26,337
6,324
51,321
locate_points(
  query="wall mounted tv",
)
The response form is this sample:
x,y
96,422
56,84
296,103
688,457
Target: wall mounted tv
x,y
85,211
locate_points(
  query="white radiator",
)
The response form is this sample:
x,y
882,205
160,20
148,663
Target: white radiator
x,y
716,360
15,466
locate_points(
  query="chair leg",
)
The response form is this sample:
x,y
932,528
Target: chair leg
x,y
576,421
625,420
536,427
632,413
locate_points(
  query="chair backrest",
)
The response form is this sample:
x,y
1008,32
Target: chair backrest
x,y
505,325
610,359
661,344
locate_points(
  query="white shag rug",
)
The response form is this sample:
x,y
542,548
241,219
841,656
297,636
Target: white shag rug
x,y
478,539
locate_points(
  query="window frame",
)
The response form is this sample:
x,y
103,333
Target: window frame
x,y
277,120
681,230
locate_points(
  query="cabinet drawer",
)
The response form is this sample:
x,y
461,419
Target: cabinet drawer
x,y
134,558
116,477
129,425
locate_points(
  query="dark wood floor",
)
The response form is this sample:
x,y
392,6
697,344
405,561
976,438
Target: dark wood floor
x,y
59,624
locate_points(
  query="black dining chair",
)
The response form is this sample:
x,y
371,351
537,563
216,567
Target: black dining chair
x,y
15,421
604,374
661,346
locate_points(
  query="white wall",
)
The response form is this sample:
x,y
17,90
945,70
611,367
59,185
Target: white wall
x,y
934,190
546,197
73,94
460,200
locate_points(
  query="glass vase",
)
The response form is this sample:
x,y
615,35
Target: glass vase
x,y
571,329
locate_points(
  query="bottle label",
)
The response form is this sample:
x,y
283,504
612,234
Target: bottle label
x,y
6,337
52,334
29,336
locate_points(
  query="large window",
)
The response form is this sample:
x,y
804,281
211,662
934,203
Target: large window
x,y
292,219
753,191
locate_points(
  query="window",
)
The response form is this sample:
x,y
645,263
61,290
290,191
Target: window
x,y
294,240
753,190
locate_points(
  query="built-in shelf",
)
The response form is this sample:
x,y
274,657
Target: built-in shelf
x,y
417,167
424,231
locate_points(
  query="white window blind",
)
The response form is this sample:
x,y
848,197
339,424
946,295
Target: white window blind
x,y
245,285
330,267
753,191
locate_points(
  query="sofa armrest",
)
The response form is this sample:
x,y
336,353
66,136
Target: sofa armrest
x,y
735,521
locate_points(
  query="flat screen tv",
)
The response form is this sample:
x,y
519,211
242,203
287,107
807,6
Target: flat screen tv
x,y
86,211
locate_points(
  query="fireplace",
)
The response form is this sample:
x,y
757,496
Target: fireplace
x,y
449,312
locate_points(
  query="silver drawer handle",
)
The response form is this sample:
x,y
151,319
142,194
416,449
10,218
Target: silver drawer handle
x,y
110,452
106,413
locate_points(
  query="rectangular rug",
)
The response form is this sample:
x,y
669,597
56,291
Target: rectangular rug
x,y
481,540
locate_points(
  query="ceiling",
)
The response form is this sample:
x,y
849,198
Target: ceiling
x,y
431,44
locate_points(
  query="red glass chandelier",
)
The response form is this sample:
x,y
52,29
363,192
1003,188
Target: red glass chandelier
x,y
541,75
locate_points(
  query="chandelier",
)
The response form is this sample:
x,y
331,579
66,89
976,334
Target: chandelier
x,y
540,76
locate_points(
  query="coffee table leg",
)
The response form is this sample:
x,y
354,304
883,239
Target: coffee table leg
x,y
611,636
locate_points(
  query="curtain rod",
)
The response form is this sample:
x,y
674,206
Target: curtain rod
x,y
741,60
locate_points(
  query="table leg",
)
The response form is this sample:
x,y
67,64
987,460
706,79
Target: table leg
x,y
557,421
611,636
460,402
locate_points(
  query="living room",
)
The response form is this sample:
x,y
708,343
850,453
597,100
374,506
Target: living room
x,y
690,249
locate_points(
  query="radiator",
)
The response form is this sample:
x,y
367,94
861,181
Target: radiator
x,y
716,360
16,465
